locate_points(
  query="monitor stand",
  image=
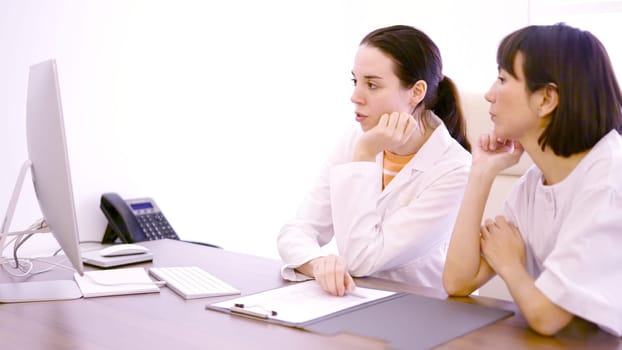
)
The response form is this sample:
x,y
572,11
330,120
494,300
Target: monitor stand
x,y
6,223
15,292
8,217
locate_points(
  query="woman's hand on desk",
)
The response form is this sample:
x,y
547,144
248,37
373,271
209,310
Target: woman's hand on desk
x,y
331,273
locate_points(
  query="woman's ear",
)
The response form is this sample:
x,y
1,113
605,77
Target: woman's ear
x,y
549,100
418,91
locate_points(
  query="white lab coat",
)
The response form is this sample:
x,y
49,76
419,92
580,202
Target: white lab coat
x,y
573,234
399,233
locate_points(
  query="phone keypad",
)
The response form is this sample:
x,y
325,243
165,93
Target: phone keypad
x,y
155,226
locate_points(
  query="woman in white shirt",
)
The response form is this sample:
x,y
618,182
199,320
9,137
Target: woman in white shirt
x,y
557,244
390,192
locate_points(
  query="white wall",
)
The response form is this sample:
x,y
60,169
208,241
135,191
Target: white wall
x,y
601,18
223,111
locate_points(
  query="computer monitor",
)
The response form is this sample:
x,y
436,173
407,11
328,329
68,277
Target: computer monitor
x,y
49,165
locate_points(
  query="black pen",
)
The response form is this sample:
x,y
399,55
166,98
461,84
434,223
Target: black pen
x,y
252,310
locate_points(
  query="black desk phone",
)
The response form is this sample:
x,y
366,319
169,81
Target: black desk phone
x,y
133,220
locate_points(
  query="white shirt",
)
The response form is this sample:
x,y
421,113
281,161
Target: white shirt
x,y
399,233
573,234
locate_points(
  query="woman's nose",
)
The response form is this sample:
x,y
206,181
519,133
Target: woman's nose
x,y
489,96
356,97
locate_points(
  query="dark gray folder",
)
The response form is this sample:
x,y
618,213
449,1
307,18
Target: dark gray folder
x,y
410,321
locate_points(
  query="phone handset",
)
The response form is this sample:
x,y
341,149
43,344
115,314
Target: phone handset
x,y
133,220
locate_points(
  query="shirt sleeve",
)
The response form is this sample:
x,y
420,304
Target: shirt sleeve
x,y
583,272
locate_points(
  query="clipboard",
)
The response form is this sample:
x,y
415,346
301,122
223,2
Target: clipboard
x,y
404,320
300,304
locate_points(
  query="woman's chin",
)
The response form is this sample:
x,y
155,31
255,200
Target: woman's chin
x,y
500,133
364,127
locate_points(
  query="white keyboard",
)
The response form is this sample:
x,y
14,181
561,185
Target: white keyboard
x,y
192,282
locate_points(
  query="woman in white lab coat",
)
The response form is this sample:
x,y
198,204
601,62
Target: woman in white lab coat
x,y
557,244
390,192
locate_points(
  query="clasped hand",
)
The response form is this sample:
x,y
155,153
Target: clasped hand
x,y
502,245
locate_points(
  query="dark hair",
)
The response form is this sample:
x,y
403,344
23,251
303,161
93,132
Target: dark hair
x,y
576,62
416,57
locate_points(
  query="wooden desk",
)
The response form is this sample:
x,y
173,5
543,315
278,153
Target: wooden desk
x,y
166,321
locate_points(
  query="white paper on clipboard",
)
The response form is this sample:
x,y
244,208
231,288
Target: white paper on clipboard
x,y
298,303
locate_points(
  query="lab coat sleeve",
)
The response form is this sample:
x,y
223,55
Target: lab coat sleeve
x,y
421,215
301,239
